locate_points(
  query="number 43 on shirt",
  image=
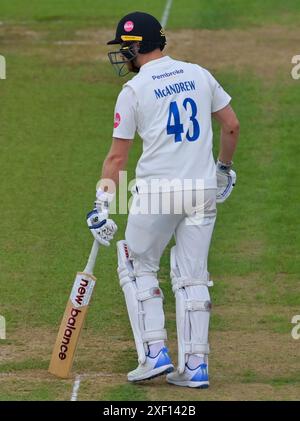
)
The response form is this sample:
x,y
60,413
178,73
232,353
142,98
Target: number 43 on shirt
x,y
177,128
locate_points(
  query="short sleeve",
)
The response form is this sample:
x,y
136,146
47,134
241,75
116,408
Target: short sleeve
x,y
220,97
125,114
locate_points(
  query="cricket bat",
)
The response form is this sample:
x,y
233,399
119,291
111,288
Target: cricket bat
x,y
73,318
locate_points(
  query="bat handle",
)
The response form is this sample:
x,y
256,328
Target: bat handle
x,y
92,258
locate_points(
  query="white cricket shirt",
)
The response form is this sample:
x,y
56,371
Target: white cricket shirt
x,y
169,103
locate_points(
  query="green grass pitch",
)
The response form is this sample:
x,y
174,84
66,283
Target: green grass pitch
x,y
56,112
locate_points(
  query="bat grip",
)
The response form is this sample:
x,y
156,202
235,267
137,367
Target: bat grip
x,y
92,258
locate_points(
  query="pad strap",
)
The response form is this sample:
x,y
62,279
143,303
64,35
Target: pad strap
x,y
154,335
197,305
182,282
146,294
196,348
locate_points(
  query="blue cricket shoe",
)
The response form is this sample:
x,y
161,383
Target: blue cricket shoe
x,y
197,377
153,367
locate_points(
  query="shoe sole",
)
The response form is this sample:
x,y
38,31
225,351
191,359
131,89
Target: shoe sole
x,y
160,371
195,385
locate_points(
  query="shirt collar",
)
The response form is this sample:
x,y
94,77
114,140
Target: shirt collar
x,y
156,61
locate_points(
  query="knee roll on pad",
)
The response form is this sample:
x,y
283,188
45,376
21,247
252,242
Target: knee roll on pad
x,y
186,304
135,298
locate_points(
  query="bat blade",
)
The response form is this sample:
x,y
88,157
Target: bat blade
x,y
71,325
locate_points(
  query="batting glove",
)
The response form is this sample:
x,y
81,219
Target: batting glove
x,y
226,179
102,228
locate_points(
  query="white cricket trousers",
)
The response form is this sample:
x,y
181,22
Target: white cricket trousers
x,y
190,219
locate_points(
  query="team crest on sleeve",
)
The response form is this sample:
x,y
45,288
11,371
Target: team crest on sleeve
x,y
117,120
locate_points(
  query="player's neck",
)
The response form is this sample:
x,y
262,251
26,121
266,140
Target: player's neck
x,y
153,55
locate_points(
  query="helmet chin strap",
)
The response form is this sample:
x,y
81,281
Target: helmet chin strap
x,y
133,67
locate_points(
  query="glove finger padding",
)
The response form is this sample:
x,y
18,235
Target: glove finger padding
x,y
103,229
225,184
106,232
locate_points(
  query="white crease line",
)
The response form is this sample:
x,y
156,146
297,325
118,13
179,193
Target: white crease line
x,y
76,387
82,376
98,374
76,43
166,13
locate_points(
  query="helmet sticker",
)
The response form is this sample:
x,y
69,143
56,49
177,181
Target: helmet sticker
x,y
117,120
128,26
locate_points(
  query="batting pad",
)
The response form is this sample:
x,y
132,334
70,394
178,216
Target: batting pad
x,y
192,313
136,298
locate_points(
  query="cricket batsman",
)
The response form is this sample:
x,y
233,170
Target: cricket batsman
x,y
170,104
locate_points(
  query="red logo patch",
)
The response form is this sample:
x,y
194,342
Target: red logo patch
x,y
117,120
128,26
156,292
126,251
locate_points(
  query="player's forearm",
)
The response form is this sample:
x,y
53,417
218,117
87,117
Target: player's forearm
x,y
112,165
228,142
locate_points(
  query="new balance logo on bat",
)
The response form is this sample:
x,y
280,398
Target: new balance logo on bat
x,y
80,297
82,291
70,328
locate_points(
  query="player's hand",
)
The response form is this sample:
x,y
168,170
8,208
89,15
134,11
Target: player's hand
x,y
102,228
226,179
